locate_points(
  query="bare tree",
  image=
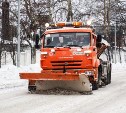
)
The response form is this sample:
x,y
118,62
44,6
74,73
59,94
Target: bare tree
x,y
33,16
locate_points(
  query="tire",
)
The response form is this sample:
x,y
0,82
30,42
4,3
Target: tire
x,y
109,77
32,88
95,86
109,80
99,76
106,80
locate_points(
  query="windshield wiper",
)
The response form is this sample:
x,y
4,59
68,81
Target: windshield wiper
x,y
73,45
49,46
66,46
58,45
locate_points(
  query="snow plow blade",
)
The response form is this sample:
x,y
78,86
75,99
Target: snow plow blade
x,y
69,81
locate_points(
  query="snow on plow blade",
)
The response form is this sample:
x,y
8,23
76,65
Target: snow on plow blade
x,y
70,81
81,85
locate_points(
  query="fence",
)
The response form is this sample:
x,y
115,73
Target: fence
x,y
25,57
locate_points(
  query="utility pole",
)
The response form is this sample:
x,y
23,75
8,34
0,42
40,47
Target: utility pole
x,y
115,29
115,39
18,44
105,17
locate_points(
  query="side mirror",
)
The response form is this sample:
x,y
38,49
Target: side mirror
x,y
99,38
98,41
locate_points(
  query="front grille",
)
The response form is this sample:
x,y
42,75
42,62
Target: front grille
x,y
68,64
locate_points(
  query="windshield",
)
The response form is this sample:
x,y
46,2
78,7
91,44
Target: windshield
x,y
67,40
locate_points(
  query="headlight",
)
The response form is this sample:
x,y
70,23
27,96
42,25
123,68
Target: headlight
x,y
44,53
87,51
89,72
53,50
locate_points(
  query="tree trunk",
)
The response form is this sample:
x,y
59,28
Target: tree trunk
x,y
49,8
1,46
120,54
14,59
70,14
33,50
0,58
33,55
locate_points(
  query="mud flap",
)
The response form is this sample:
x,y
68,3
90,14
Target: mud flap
x,y
81,85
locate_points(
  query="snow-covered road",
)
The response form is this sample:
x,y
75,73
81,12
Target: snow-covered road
x,y
111,99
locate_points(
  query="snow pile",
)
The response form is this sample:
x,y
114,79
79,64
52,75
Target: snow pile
x,y
9,75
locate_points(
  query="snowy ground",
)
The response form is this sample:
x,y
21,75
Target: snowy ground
x,y
109,99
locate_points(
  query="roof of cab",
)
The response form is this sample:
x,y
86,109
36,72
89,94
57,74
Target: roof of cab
x,y
68,29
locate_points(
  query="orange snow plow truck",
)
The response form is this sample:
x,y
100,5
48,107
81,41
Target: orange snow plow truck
x,y
70,59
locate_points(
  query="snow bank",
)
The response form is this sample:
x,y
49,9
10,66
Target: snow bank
x,y
9,75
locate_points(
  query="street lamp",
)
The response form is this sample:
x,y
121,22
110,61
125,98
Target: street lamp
x,y
18,44
115,28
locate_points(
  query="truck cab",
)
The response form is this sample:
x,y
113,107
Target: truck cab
x,y
70,49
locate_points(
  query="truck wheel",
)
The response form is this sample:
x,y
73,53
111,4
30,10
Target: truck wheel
x,y
32,89
109,75
108,78
100,76
95,85
32,86
109,81
105,81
